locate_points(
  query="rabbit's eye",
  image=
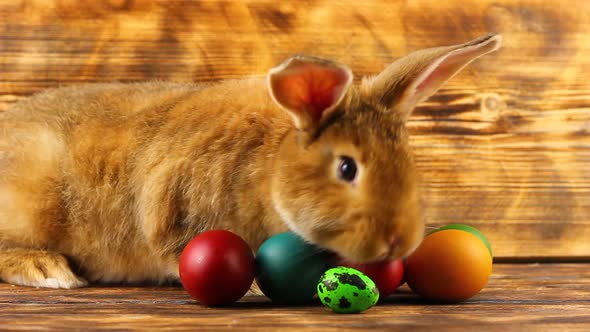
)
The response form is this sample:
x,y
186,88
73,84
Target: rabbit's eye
x,y
347,169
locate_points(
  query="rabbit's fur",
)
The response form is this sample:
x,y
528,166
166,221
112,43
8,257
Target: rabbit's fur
x,y
112,180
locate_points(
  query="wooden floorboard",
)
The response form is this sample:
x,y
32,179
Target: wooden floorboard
x,y
519,297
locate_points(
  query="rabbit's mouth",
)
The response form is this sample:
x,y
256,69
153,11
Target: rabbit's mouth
x,y
356,237
347,248
361,247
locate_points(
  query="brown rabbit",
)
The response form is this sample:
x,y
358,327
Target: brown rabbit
x,y
114,179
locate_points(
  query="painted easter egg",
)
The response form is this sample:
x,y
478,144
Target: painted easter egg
x,y
346,290
288,268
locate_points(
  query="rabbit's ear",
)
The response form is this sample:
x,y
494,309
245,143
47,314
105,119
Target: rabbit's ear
x,y
417,76
309,88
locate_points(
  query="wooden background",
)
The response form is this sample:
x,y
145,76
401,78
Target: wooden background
x,y
505,146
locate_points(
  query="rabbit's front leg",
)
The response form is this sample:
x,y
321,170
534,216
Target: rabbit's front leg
x,y
162,224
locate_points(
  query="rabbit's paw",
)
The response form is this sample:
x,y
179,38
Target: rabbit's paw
x,y
37,269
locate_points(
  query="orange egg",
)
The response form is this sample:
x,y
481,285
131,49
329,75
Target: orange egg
x,y
450,265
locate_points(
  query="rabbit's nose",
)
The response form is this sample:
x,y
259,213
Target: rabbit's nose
x,y
392,239
392,245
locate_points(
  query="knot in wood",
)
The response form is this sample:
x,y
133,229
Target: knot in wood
x,y
491,105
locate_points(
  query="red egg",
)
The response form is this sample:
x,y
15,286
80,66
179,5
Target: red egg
x,y
217,267
387,275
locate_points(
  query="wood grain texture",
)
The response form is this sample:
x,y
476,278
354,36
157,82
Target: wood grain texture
x,y
519,297
505,146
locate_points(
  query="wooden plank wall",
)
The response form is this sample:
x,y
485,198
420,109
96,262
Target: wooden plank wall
x,y
505,146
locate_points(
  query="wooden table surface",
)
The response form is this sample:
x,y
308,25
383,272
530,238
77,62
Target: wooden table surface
x,y
519,297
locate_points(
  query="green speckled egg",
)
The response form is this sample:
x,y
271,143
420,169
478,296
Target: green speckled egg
x,y
346,290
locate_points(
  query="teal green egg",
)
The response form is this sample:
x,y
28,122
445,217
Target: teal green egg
x,y
288,268
346,290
